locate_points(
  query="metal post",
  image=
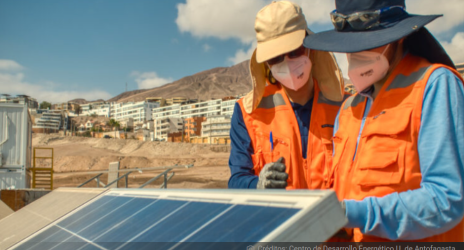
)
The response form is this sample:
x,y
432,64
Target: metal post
x,y
98,181
166,180
126,180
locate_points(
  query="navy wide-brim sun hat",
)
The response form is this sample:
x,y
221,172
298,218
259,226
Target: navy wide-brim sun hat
x,y
355,41
393,25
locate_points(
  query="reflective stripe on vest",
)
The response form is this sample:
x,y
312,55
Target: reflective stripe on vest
x,y
387,159
272,101
275,113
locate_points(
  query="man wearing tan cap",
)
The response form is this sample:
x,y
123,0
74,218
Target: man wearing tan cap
x,y
281,131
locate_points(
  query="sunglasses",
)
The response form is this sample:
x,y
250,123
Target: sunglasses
x,y
360,20
292,54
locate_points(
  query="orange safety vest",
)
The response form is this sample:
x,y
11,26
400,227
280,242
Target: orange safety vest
x,y
275,113
387,158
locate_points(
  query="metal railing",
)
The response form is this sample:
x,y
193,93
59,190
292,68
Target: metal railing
x,y
166,179
126,176
96,178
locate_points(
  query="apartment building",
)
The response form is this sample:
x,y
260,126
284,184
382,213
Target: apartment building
x,y
192,126
216,128
138,111
49,122
160,100
227,106
166,111
101,109
88,107
165,126
176,100
67,106
200,109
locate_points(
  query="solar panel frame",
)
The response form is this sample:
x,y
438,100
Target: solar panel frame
x,y
318,209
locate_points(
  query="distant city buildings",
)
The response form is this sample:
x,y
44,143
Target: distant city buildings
x,y
174,119
139,111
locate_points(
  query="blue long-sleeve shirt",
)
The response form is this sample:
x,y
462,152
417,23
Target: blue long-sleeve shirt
x,y
438,205
240,163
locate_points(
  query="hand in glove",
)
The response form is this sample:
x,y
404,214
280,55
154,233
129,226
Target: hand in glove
x,y
273,175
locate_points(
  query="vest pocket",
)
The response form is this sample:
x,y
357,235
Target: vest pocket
x,y
380,159
380,168
262,157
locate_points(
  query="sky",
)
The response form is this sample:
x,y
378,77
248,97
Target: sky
x,y
56,50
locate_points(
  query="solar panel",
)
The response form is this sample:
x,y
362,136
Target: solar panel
x,y
170,219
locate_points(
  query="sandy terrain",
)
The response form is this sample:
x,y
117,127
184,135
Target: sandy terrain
x,y
73,156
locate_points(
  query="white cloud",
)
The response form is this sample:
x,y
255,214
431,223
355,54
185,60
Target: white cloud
x,y
455,48
234,19
452,12
9,65
206,47
316,11
223,19
226,19
148,80
13,83
242,55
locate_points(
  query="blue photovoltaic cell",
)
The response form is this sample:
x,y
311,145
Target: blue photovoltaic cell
x,y
139,222
111,222
51,238
244,224
85,217
179,225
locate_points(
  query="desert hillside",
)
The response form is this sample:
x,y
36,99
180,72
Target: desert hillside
x,y
76,155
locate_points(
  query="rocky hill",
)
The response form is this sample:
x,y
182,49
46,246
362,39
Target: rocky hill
x,y
213,83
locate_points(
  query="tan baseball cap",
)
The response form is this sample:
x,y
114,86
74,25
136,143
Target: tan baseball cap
x,y
280,28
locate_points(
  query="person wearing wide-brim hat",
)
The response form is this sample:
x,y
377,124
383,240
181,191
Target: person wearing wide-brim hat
x,y
281,131
399,143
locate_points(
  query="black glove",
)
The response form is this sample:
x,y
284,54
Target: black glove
x,y
273,175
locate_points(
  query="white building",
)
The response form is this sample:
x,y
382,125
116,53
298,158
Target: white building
x,y
138,111
50,120
201,109
101,109
218,126
164,126
227,107
166,111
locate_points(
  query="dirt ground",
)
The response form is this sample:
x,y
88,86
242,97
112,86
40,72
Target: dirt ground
x,y
74,156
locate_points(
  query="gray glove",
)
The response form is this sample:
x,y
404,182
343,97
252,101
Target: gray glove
x,y
273,175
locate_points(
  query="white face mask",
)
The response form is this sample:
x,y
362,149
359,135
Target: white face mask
x,y
293,73
367,67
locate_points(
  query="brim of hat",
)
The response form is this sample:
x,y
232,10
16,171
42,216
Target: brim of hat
x,y
280,45
355,41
